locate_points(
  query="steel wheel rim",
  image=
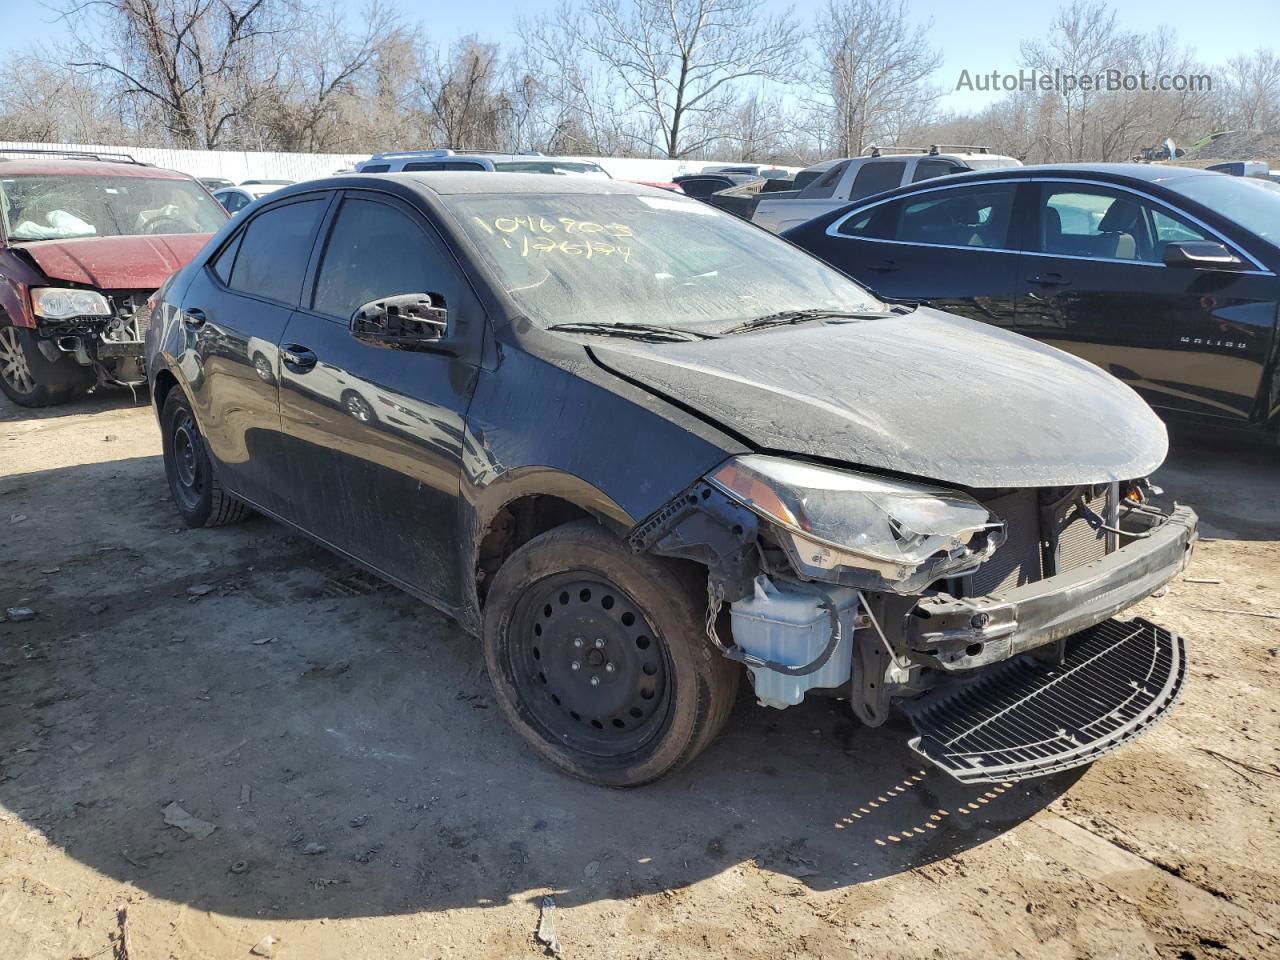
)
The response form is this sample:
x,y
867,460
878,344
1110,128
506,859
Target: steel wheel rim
x,y
188,465
13,362
618,698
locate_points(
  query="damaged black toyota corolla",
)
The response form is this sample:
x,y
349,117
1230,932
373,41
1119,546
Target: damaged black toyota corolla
x,y
642,448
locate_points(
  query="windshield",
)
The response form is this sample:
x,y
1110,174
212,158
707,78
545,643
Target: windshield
x,y
654,260
1253,204
49,207
562,167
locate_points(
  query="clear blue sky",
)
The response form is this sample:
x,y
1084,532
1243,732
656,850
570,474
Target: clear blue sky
x,y
974,35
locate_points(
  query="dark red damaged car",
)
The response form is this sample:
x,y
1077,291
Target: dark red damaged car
x,y
84,242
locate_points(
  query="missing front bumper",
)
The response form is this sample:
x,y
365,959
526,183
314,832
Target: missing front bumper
x,y
1027,718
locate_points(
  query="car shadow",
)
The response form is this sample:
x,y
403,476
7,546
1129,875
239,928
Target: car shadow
x,y
341,740
100,401
1232,480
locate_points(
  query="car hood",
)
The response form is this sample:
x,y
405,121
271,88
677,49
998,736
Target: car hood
x,y
927,394
116,263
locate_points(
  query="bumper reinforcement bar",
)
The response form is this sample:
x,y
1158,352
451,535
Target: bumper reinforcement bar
x,y
1027,718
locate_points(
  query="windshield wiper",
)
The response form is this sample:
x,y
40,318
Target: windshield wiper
x,y
636,331
801,316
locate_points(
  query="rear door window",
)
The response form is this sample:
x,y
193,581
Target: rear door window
x,y
877,176
964,217
274,251
928,169
376,168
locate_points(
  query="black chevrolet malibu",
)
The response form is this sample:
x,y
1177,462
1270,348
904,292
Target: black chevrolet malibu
x,y
1166,277
641,448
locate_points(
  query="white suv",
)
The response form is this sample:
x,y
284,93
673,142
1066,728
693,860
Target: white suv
x,y
409,161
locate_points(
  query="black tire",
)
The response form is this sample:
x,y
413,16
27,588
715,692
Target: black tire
x,y
197,493
29,378
668,691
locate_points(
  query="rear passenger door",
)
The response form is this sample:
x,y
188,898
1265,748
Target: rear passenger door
x,y
373,435
950,246
234,312
1094,283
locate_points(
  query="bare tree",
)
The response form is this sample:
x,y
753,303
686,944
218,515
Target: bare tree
x,y
1252,94
673,65
872,65
191,60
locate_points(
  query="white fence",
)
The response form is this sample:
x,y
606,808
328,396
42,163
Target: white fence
x,y
238,166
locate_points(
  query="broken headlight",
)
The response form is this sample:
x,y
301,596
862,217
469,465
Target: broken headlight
x,y
902,534
63,303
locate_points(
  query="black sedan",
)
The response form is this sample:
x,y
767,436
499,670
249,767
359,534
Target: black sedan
x,y
643,448
1163,276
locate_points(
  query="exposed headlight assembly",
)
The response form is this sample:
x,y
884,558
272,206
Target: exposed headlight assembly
x,y
861,530
63,303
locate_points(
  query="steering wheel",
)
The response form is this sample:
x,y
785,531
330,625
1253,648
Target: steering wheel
x,y
166,225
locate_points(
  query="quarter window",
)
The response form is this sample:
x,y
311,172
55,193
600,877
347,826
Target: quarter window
x,y
275,249
825,185
374,251
972,217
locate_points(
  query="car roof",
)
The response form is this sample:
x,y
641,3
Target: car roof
x,y
446,183
84,168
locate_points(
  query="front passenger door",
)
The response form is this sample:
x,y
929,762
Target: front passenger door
x,y
373,435
1094,283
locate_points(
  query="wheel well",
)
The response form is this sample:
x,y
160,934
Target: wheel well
x,y
515,525
163,382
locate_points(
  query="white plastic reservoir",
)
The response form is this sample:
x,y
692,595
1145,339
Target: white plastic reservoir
x,y
786,623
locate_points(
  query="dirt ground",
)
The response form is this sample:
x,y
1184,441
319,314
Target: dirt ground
x,y
369,801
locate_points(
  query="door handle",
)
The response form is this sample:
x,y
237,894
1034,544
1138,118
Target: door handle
x,y
884,266
1049,280
194,317
296,358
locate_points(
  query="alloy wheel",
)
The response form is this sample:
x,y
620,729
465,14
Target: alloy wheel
x,y
13,362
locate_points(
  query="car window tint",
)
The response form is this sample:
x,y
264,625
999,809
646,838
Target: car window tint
x,y
1170,229
1097,223
376,168
374,251
417,165
877,177
222,263
973,217
928,169
825,185
275,249
858,225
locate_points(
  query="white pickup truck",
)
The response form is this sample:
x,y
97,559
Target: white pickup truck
x,y
856,177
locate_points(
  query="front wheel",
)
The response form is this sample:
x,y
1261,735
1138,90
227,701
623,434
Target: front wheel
x,y
29,378
599,657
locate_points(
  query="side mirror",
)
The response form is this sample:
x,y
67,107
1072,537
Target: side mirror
x,y
1201,255
405,321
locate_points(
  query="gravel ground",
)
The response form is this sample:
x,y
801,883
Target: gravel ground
x,y
366,799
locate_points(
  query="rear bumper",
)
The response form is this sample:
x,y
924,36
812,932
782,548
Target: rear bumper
x,y
962,634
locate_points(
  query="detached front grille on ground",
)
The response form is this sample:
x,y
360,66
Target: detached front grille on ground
x,y
1028,718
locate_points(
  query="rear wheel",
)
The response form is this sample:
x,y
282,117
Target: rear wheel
x,y
198,495
599,657
28,377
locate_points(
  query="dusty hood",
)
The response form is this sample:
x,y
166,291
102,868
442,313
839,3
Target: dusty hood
x,y
116,263
928,394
